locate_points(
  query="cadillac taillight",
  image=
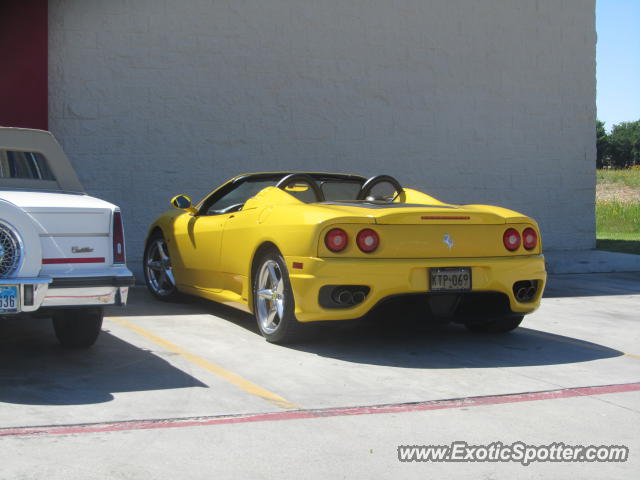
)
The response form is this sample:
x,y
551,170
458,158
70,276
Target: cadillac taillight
x,y
118,239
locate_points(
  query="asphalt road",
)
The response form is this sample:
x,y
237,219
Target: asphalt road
x,y
192,391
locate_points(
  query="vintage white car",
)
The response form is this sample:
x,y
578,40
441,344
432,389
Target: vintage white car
x,y
62,252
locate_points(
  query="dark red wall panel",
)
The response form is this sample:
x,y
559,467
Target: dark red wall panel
x,y
23,63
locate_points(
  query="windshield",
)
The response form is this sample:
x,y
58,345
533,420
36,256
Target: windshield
x,y
239,195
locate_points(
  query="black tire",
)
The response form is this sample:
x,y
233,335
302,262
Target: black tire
x,y
167,291
78,328
287,329
497,325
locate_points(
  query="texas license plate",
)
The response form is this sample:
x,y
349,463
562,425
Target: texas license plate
x,y
450,279
9,299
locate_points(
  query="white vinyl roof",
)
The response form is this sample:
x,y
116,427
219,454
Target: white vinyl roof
x,y
39,141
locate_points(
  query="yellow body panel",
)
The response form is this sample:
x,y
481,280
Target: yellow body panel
x,y
212,255
405,276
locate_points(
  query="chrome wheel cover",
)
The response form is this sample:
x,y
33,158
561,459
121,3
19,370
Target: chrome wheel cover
x,y
158,268
10,250
270,299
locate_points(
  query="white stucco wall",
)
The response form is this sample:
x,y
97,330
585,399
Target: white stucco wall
x,y
489,101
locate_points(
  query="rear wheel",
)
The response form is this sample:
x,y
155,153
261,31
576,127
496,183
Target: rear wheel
x,y
273,302
78,328
158,273
497,325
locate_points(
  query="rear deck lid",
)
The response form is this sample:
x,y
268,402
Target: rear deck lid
x,y
63,213
384,213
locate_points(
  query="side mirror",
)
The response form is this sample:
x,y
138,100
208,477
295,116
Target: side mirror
x,y
183,202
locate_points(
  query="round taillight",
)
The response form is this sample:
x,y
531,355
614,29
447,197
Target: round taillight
x,y
336,239
367,240
511,239
529,238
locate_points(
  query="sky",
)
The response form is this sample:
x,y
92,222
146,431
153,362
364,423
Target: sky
x,y
618,61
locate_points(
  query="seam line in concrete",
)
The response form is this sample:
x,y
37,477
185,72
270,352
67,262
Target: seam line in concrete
x,y
464,402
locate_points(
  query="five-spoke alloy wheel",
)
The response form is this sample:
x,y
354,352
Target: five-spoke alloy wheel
x,y
273,302
157,269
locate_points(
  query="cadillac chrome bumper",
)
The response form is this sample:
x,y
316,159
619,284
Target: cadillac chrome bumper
x,y
46,292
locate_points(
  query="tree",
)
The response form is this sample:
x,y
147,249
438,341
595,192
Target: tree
x,y
624,144
620,148
602,145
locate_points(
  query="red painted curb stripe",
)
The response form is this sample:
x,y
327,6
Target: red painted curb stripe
x,y
329,412
72,260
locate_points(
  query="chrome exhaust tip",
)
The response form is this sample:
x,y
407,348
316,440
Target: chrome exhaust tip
x,y
525,290
358,296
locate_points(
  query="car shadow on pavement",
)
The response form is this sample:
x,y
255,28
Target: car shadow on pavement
x,y
415,343
142,304
393,339
35,370
412,345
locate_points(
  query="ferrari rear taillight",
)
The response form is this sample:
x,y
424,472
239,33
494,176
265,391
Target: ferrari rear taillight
x,y
511,239
529,238
118,239
336,240
367,240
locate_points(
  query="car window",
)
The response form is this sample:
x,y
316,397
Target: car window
x,y
24,165
340,190
239,195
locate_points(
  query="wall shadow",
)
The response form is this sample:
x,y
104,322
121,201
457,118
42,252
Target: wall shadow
x,y
35,370
592,284
620,246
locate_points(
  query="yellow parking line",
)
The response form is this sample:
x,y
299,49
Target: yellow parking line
x,y
226,375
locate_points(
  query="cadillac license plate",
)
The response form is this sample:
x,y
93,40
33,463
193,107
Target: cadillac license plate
x,y
450,279
9,298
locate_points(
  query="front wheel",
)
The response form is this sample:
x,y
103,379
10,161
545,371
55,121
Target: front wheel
x,y
273,302
497,325
158,272
78,328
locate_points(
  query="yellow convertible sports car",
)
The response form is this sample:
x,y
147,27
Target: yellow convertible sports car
x,y
295,247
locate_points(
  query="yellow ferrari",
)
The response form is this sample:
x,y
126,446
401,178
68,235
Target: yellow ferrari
x,y
293,248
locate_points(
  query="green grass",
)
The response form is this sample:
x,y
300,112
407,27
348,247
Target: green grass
x,y
629,177
618,223
618,227
617,217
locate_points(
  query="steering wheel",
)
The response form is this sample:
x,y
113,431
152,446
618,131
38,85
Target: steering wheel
x,y
366,188
301,177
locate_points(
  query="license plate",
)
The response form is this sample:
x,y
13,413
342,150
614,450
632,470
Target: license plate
x,y
9,299
450,278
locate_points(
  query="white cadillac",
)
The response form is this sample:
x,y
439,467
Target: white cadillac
x,y
61,251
